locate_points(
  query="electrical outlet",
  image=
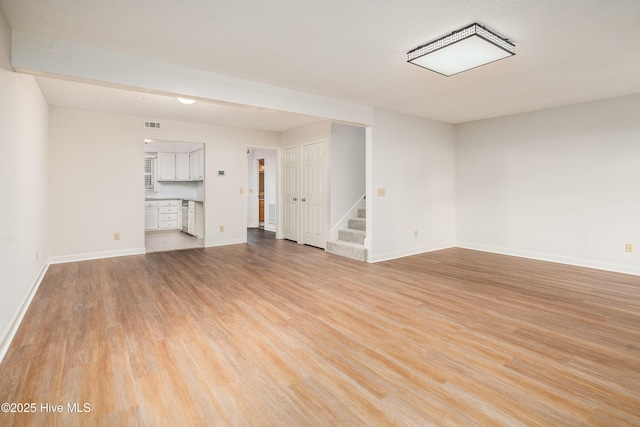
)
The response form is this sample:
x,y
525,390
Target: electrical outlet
x,y
629,247
116,235
222,228
37,256
415,233
241,190
480,231
381,192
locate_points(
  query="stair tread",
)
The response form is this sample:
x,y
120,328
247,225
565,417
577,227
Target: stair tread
x,y
353,230
350,242
351,250
352,235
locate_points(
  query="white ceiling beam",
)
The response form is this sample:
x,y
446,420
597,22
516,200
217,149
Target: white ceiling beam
x,y
41,55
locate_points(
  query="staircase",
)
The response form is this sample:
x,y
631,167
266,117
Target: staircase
x,y
350,241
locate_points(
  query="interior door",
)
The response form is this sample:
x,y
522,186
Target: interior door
x,y
290,193
314,194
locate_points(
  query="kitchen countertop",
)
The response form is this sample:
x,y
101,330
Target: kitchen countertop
x,y
155,199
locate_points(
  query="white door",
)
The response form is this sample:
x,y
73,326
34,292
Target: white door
x,y
314,194
290,193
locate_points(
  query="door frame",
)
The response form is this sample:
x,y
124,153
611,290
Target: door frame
x,y
252,197
248,185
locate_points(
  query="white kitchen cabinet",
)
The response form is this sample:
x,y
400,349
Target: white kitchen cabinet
x,y
196,165
162,215
191,223
199,220
169,214
183,167
151,218
166,167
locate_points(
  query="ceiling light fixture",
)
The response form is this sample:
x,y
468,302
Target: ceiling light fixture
x,y
462,50
186,101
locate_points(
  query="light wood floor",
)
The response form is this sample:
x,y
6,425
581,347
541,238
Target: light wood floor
x,y
274,333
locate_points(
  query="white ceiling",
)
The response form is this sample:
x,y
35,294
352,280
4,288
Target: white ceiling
x,y
64,93
567,52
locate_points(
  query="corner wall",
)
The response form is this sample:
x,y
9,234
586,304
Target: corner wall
x,y
558,185
23,189
348,174
413,160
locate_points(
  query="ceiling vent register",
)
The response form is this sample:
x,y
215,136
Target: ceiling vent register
x,y
151,125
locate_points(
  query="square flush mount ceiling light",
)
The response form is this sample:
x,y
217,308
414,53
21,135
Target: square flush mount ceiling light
x,y
462,50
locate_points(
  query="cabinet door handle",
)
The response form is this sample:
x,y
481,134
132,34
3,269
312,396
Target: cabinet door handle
x,y
304,200
295,199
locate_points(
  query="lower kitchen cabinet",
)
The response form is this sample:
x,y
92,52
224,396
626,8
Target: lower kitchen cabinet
x,y
151,219
162,215
199,220
168,214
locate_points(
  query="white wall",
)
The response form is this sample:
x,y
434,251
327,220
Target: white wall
x,y
559,184
347,171
413,160
94,166
23,190
85,213
316,132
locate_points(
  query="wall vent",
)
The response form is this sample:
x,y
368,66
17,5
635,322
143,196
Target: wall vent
x,y
151,125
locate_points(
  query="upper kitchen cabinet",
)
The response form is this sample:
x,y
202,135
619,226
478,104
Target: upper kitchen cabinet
x,y
183,167
166,167
196,165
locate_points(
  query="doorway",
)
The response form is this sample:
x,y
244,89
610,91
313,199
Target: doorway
x,y
174,195
262,171
260,193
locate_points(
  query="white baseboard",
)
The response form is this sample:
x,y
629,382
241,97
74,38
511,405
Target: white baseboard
x,y
10,332
214,243
414,251
95,255
617,268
